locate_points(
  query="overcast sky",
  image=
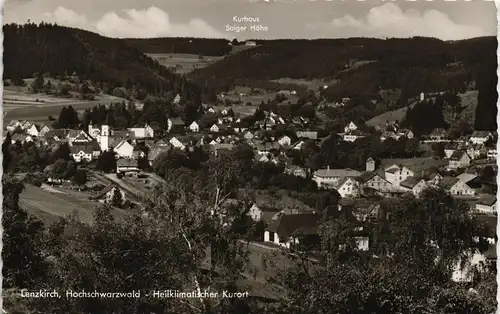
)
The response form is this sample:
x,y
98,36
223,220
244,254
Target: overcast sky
x,y
283,18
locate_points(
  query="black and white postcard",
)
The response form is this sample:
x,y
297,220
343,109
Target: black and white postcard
x,y
249,156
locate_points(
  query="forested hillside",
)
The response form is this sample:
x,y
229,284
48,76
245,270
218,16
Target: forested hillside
x,y
58,50
199,46
364,66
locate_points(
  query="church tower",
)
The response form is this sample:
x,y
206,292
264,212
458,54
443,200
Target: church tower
x,y
104,142
370,164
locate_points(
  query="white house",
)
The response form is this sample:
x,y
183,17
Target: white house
x,y
144,132
176,143
281,231
405,133
248,135
330,178
26,125
85,152
375,181
492,153
194,127
348,187
350,127
124,149
413,185
126,165
285,141
255,213
396,174
487,204
43,130
457,187
214,128
480,137
177,99
13,124
33,130
353,135
459,159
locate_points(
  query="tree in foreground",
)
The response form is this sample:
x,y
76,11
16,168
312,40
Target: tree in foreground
x,y
183,241
23,263
407,270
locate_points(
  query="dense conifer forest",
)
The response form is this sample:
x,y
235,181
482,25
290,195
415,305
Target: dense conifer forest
x,y
58,50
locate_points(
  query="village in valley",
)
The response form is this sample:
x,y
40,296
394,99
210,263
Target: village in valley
x,y
116,166
303,174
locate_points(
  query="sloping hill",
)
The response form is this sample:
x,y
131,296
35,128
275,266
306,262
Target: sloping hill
x,y
361,65
184,45
58,50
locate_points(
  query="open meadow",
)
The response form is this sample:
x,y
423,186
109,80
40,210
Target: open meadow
x,y
20,104
183,63
49,205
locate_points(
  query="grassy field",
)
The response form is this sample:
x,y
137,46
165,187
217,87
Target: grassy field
x,y
183,63
50,206
311,84
244,94
19,104
468,100
394,115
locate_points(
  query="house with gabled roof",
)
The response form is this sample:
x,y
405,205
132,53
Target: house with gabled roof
x,y
176,143
376,181
475,151
457,187
330,178
26,125
487,204
413,185
44,129
85,151
175,124
438,135
13,124
282,232
285,141
142,132
194,127
350,127
459,159
348,187
79,136
480,137
33,130
124,149
407,133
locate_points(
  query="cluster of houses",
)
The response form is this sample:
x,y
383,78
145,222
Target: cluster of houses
x,y
387,177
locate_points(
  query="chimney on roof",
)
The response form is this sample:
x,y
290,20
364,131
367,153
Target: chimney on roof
x,y
328,167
